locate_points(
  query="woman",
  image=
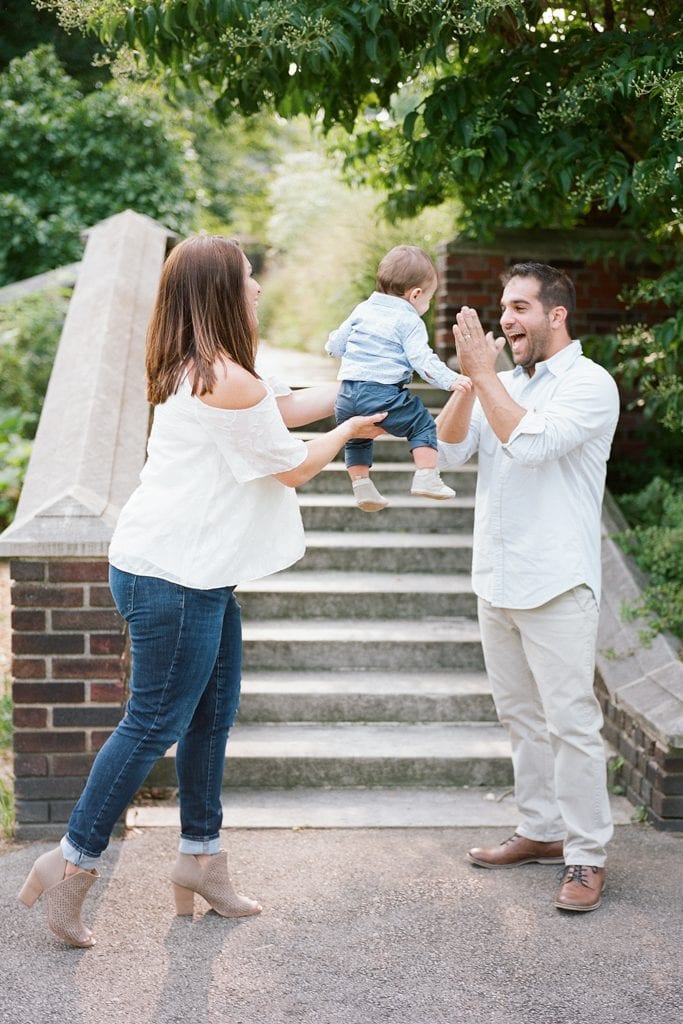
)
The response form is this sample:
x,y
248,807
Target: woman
x,y
215,507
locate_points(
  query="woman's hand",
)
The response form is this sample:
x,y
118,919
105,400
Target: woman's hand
x,y
322,448
364,426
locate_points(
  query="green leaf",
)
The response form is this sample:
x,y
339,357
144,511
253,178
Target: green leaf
x,y
409,123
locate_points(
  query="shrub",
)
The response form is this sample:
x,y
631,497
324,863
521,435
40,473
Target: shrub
x,y
29,334
71,160
655,540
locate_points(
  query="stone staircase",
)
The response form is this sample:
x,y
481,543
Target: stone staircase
x,y
364,694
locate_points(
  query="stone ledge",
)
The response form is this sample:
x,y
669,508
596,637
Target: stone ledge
x,y
646,682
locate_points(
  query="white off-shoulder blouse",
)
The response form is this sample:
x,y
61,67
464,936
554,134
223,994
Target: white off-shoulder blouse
x,y
208,511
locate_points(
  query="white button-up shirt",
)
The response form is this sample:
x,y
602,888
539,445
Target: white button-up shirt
x,y
539,497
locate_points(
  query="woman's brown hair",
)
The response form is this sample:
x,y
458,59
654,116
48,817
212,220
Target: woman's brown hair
x,y
201,313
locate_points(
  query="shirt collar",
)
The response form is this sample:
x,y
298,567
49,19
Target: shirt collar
x,y
382,299
557,364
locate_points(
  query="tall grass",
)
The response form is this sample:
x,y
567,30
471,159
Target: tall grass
x,y
325,242
6,793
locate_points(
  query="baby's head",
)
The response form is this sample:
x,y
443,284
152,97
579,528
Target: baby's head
x,y
408,272
404,268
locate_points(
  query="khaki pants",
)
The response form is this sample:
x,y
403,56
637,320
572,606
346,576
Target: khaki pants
x,y
541,664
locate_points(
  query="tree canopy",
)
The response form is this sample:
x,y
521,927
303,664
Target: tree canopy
x,y
71,160
530,115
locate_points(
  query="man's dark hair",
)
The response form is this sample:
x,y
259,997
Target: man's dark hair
x,y
556,287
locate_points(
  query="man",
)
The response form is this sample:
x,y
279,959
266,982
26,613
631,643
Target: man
x,y
543,433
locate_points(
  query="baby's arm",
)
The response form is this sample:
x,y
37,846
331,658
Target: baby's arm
x,y
338,339
425,361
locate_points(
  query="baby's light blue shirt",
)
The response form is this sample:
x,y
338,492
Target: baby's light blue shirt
x,y
385,340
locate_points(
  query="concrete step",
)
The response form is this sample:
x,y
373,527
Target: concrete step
x,y
366,697
389,478
346,754
386,552
395,644
356,595
386,448
360,807
424,515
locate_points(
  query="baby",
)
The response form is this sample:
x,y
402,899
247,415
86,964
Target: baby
x,y
381,344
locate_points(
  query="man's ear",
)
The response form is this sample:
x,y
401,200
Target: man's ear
x,y
558,316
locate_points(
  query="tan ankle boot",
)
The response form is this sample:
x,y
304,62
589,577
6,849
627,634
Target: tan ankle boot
x,y
64,897
210,880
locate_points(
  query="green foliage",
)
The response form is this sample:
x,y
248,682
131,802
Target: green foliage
x,y
71,160
29,334
5,718
238,160
655,540
507,99
651,357
6,793
23,28
528,115
6,809
326,241
614,769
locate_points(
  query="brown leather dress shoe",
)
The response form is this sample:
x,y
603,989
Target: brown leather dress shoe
x,y
515,851
582,886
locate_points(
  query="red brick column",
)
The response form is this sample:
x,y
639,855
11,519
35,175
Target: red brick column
x,y
69,684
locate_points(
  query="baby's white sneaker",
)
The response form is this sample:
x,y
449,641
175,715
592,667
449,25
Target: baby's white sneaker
x,y
427,483
367,496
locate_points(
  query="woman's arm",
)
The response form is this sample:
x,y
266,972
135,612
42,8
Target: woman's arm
x,y
323,449
308,404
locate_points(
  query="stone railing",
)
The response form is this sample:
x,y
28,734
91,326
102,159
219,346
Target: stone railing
x,y
640,687
68,644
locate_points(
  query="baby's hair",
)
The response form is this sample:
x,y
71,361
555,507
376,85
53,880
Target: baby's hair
x,y
405,267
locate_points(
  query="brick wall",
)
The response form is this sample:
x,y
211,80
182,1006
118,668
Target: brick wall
x,y
469,274
651,775
69,684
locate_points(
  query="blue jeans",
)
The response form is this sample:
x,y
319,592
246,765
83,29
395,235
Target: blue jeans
x,y
407,416
186,652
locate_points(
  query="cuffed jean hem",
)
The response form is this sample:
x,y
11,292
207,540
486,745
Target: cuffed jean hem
x,y
75,856
195,846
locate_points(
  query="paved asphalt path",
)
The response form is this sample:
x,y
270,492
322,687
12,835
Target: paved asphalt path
x,y
359,926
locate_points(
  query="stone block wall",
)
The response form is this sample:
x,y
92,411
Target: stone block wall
x,y
640,689
69,684
651,774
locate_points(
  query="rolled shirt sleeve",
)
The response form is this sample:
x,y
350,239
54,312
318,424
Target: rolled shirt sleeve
x,y
425,361
453,455
585,406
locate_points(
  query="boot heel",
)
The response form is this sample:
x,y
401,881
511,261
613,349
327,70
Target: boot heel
x,y
31,889
184,900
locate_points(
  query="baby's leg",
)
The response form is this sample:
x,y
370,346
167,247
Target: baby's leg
x,y
427,482
424,457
